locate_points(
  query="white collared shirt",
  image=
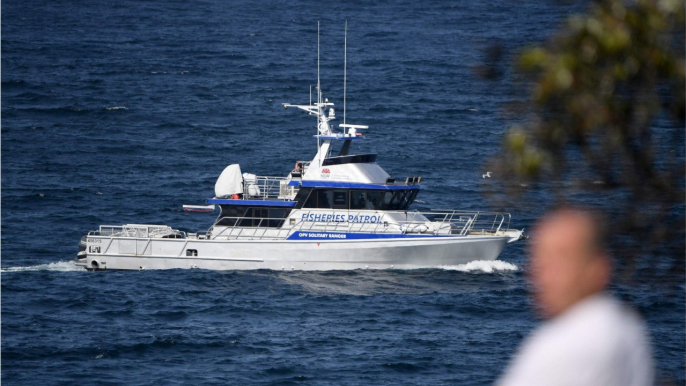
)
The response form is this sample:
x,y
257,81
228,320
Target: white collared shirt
x,y
598,341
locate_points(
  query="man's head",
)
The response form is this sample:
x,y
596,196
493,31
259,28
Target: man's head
x,y
568,262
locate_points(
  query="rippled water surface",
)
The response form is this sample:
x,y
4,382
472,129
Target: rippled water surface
x,y
120,112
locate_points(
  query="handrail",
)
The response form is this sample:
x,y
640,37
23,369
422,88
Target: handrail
x,y
138,230
462,223
267,188
446,222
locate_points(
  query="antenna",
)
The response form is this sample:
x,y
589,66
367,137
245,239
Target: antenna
x,y
345,66
319,90
319,96
310,95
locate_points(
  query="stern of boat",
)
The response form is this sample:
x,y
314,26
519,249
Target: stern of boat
x,y
82,255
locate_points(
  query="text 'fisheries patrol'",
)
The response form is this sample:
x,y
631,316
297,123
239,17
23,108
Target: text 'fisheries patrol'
x,y
332,217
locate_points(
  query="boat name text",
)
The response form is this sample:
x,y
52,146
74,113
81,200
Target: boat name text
x,y
306,235
329,217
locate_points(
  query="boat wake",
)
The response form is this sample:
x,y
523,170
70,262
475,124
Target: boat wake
x,y
62,266
393,281
487,266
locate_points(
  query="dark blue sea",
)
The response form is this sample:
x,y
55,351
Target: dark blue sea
x,y
122,111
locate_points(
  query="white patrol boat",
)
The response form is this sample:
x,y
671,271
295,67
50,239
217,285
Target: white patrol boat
x,y
339,211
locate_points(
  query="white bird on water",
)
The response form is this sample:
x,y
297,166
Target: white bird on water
x,y
487,175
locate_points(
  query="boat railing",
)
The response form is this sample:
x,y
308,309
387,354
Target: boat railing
x,y
263,228
455,222
267,188
138,230
462,223
250,228
471,222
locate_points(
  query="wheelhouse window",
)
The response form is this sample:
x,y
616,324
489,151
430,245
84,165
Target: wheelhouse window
x,y
324,199
359,199
386,201
311,201
396,200
252,217
374,199
340,199
276,216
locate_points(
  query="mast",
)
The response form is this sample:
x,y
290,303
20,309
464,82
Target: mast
x,y
319,93
319,89
345,66
325,132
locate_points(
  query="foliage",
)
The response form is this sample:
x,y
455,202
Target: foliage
x,y
606,117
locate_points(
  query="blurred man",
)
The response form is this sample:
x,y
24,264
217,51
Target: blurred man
x,y
589,338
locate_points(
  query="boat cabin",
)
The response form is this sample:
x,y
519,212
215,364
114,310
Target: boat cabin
x,y
334,179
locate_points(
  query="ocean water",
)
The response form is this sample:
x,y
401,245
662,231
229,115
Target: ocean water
x,y
121,112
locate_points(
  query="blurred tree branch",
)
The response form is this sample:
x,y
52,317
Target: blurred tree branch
x,y
606,118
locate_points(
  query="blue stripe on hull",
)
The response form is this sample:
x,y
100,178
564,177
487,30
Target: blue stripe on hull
x,y
355,236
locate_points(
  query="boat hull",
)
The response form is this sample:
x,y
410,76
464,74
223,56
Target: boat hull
x,y
408,253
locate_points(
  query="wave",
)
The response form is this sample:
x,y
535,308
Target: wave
x,y
14,84
117,108
61,266
59,110
487,266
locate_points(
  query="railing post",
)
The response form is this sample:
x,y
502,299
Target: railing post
x,y
500,225
468,226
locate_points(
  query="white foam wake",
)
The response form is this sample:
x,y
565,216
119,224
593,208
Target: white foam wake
x,y
63,266
487,266
118,108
